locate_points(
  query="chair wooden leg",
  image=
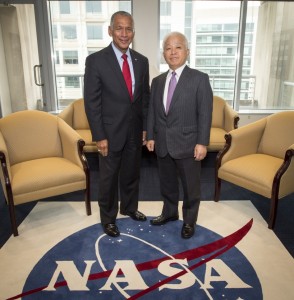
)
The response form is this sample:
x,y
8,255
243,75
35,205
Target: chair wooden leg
x,y
13,219
87,194
273,212
217,188
217,180
84,162
88,202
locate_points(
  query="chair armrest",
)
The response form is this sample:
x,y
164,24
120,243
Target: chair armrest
x,y
284,178
244,140
67,115
4,151
231,118
5,174
70,142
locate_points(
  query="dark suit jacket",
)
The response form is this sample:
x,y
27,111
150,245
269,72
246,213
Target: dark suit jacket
x,y
189,119
108,106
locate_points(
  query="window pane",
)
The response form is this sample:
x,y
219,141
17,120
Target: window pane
x,y
56,57
70,57
69,32
93,7
54,31
165,8
72,81
213,40
64,7
164,30
125,5
267,80
270,31
94,32
83,30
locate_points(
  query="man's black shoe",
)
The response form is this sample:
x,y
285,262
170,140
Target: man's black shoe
x,y
160,220
187,231
137,215
111,229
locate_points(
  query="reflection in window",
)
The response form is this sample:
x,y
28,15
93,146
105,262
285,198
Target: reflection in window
x,y
69,32
231,39
72,82
165,8
93,7
54,31
273,54
125,5
70,57
56,57
164,30
94,32
267,75
64,7
231,27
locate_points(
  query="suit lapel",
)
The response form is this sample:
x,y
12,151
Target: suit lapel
x,y
113,63
135,62
180,86
161,84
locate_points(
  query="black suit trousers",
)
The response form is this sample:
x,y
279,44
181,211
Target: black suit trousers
x,y
119,174
188,170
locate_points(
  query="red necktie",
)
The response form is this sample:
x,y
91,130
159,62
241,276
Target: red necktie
x,y
127,74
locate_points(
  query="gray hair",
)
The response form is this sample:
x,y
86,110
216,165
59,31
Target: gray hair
x,y
175,33
121,13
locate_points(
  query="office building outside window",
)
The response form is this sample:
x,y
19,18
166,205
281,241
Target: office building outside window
x,y
83,27
213,28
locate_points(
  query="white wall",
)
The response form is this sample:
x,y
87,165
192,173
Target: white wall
x,y
146,41
11,47
4,85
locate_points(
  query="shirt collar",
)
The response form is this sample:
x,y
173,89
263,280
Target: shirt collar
x,y
118,53
178,71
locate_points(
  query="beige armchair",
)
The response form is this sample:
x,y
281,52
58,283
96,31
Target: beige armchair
x,y
224,119
74,115
40,156
259,157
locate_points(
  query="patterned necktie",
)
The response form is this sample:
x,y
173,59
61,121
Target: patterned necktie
x,y
127,74
170,92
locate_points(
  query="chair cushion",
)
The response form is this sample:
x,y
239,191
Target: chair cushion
x,y
46,177
254,172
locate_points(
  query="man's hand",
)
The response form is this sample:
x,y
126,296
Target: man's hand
x,y
102,147
150,145
200,152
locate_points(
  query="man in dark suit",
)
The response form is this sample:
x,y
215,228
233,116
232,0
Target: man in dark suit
x,y
179,131
117,110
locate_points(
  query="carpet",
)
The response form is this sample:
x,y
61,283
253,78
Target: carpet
x,y
63,254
